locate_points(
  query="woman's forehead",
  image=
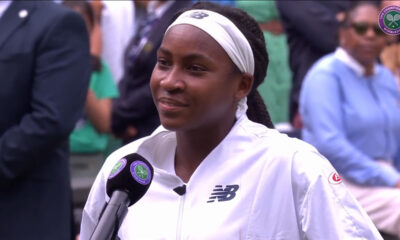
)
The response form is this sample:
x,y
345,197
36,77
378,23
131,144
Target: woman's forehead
x,y
190,38
365,13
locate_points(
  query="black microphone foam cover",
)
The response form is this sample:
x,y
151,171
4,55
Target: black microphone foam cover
x,y
132,174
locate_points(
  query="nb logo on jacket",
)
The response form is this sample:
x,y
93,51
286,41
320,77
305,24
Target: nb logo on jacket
x,y
221,194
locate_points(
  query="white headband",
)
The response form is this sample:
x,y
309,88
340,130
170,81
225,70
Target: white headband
x,y
225,32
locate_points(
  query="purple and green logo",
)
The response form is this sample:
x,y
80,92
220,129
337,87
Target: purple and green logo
x,y
117,168
140,172
389,20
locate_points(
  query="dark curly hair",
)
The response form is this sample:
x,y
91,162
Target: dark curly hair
x,y
257,111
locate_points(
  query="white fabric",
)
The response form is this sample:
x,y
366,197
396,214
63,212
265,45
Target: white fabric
x,y
3,7
224,32
285,192
117,26
380,203
241,108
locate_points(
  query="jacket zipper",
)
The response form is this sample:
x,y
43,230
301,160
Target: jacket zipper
x,y
180,220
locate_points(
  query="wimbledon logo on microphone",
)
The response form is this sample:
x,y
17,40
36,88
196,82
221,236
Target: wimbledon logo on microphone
x,y
140,172
117,168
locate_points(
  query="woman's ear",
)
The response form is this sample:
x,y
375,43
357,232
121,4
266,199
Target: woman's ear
x,y
245,85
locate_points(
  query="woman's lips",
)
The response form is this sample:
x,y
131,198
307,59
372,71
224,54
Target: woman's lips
x,y
170,104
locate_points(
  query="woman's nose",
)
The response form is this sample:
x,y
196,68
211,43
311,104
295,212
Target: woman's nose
x,y
172,81
371,33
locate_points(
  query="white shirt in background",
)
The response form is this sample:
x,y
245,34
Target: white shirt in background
x,y
117,25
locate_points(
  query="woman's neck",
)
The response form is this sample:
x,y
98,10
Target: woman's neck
x,y
194,146
368,69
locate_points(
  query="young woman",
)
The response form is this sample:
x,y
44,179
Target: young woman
x,y
242,180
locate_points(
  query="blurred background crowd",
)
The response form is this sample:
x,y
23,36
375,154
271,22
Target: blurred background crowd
x,y
351,123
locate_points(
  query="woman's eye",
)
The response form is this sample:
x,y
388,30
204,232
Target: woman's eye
x,y
196,68
162,62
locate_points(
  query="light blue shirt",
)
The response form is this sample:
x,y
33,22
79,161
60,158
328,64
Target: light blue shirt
x,y
353,119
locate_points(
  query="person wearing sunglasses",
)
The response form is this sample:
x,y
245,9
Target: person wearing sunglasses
x,y
350,107
361,28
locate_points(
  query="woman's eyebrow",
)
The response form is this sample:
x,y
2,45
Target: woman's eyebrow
x,y
196,56
164,51
190,56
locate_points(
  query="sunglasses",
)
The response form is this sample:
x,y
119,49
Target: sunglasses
x,y
361,28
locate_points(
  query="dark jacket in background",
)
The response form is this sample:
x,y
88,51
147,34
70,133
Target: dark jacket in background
x,y
135,106
44,76
312,32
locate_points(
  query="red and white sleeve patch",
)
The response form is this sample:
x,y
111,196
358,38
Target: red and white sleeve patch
x,y
334,178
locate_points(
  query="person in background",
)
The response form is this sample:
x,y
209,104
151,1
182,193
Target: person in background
x,y
117,23
45,70
114,26
133,113
351,112
275,90
90,135
390,55
89,139
96,41
238,178
311,28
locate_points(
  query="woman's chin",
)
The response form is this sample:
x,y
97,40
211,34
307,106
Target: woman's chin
x,y
170,125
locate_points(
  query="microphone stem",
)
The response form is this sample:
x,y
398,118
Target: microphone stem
x,y
115,211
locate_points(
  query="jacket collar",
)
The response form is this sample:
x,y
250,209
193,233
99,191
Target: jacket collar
x,y
351,62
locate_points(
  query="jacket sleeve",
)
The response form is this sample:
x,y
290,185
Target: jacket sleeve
x,y
59,86
312,20
326,209
320,108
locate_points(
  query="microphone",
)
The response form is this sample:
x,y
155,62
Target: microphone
x,y
128,181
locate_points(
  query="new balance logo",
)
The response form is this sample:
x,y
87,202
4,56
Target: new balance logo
x,y
223,194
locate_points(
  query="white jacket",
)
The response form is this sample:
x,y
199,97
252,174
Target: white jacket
x,y
256,184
